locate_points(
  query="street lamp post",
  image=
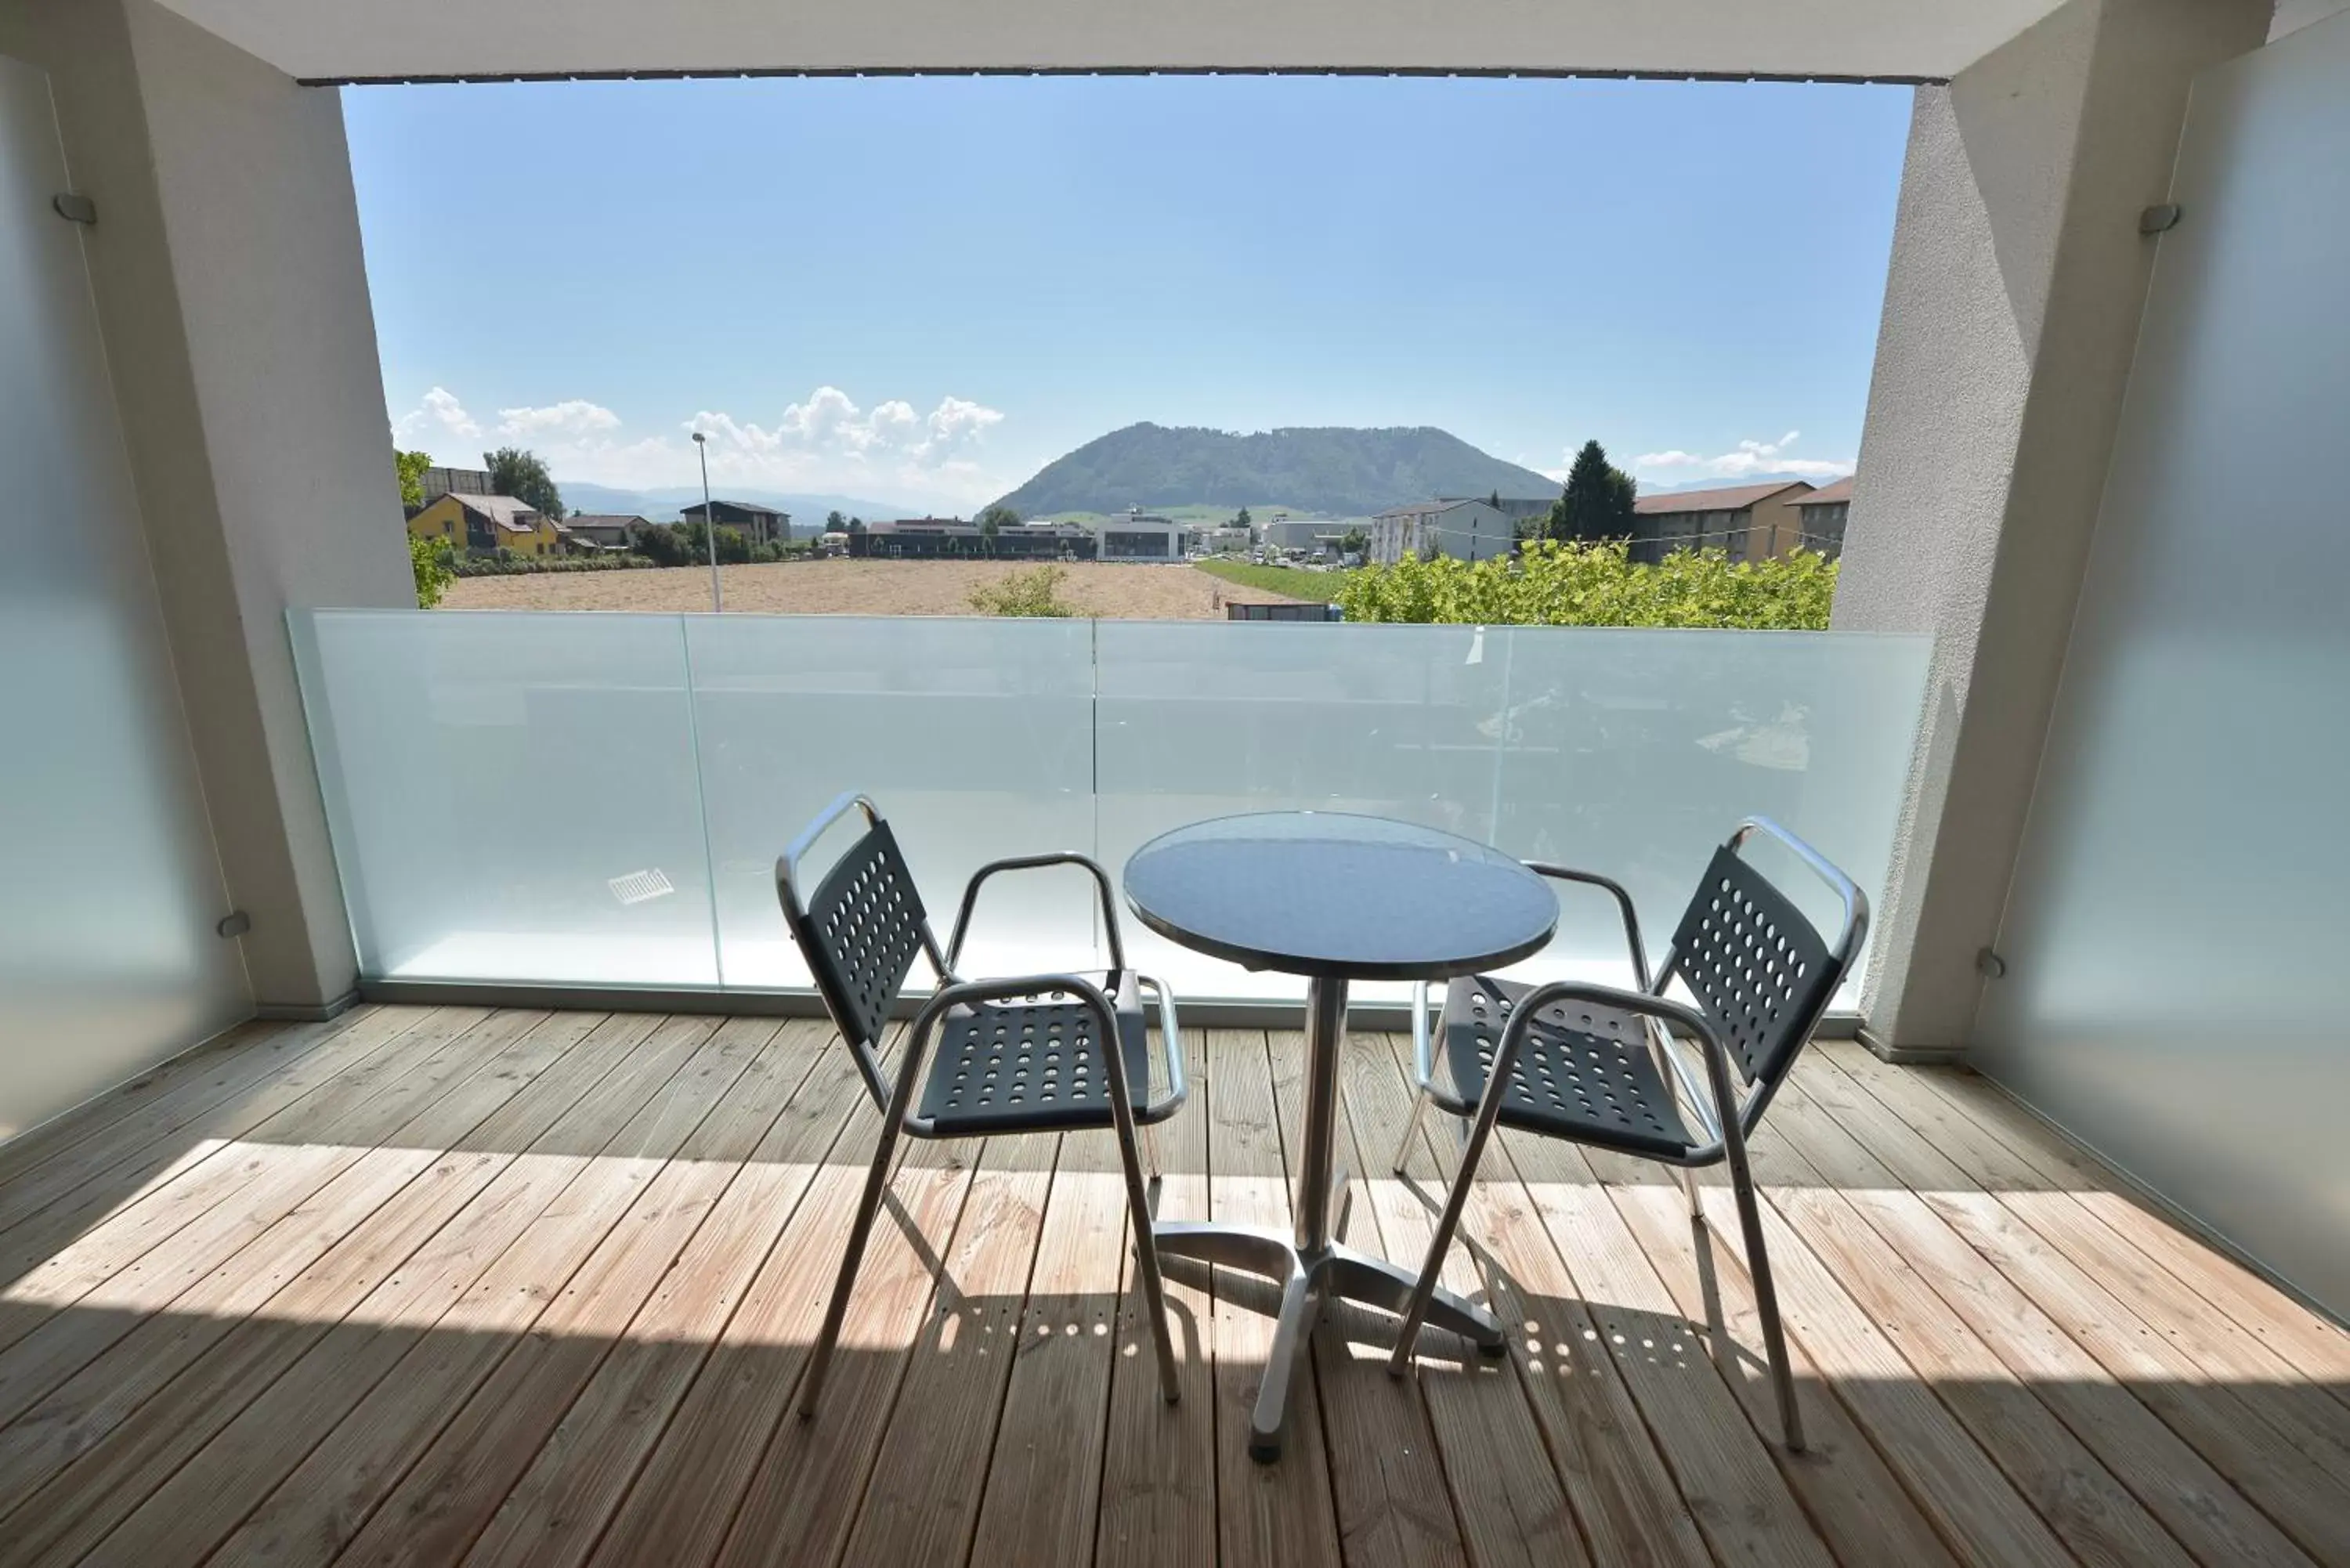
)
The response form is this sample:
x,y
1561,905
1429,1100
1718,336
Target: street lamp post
x,y
709,522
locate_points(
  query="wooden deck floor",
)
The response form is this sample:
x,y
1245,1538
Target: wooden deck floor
x,y
440,1285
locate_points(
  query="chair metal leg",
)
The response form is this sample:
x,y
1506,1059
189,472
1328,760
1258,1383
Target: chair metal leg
x,y
876,1182
1689,1186
1145,1260
1489,1107
1410,1131
1766,1304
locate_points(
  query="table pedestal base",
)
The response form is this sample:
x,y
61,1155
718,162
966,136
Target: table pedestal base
x,y
1308,1278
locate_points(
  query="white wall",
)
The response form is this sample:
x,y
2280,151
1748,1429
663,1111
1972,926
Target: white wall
x,y
232,297
2176,992
109,885
2010,313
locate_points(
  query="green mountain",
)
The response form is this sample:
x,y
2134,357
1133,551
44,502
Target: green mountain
x,y
1344,472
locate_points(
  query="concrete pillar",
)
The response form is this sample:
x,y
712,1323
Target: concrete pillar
x,y
234,299
2011,308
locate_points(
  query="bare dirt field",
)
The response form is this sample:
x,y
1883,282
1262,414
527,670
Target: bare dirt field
x,y
860,588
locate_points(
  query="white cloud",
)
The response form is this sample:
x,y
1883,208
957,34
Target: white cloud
x,y
1750,457
442,415
825,442
565,420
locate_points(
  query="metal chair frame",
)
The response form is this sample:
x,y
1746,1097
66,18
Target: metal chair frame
x,y
1724,1123
1129,1121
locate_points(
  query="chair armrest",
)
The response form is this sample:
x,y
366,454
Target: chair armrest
x,y
1179,1080
1639,950
1031,863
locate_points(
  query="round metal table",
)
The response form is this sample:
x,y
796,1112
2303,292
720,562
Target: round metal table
x,y
1335,898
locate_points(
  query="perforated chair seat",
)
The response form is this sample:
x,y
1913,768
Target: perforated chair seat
x,y
1584,1073
1033,1063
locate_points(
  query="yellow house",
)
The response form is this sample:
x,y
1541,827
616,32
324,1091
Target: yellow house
x,y
478,525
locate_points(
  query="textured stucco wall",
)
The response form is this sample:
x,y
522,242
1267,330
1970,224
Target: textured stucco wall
x,y
2011,306
232,296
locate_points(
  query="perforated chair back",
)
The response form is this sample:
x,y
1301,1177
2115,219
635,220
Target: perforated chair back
x,y
1760,972
860,933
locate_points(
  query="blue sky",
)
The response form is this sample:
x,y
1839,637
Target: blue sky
x,y
921,290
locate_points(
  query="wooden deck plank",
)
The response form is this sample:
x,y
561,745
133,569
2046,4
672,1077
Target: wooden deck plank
x,y
105,1217
1855,1502
249,1046
104,1285
2078,1498
1387,1481
1158,1506
1733,1488
553,1517
683,1499
1041,1502
116,1472
1506,1499
803,1497
193,1096
2251,1434
448,1495
81,1408
2197,1506
923,1495
2317,1348
1959,1485
1615,1480
209,1496
574,1246
542,1290
1282,1513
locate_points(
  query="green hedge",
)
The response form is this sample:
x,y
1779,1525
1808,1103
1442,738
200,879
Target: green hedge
x,y
531,566
1598,584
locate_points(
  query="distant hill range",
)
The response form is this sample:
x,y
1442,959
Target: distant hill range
x,y
1339,471
663,505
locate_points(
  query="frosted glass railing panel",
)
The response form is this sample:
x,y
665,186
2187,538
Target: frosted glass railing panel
x,y
512,796
976,737
1202,719
1634,753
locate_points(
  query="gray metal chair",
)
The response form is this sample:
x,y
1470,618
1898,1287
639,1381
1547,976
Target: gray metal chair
x,y
1015,1055
1592,1064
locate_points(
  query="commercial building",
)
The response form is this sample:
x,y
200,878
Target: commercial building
x,y
759,524
1825,511
1747,522
1142,537
1464,530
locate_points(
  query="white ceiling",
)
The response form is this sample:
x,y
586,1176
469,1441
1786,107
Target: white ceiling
x,y
344,39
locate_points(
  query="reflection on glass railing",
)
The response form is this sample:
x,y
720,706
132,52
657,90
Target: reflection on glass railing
x,y
569,799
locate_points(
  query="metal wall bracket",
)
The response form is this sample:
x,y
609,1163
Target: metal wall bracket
x,y
74,207
235,923
2154,219
1989,964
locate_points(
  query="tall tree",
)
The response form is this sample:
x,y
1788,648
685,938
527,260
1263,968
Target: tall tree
x,y
833,522
1597,502
411,466
523,476
1242,519
993,522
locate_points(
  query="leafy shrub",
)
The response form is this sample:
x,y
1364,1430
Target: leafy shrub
x,y
530,566
660,543
1553,584
1034,592
429,560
